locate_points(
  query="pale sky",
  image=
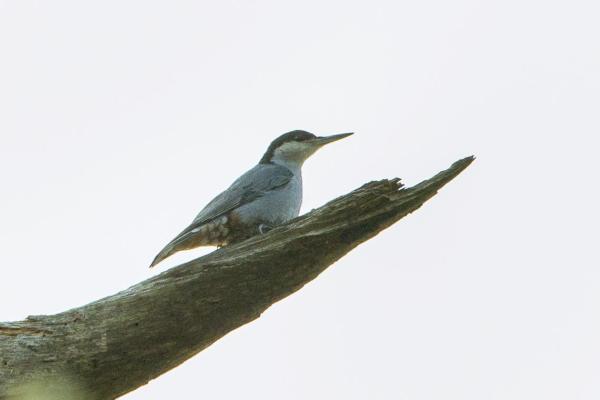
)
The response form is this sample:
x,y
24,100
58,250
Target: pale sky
x,y
120,120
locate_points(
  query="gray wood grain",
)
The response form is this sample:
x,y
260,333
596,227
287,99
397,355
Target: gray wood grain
x,y
114,345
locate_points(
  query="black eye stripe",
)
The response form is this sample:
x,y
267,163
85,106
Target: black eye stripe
x,y
295,136
302,137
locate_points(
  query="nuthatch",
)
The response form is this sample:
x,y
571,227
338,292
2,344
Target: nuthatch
x,y
267,195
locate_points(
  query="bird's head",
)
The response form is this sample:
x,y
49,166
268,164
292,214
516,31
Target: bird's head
x,y
293,148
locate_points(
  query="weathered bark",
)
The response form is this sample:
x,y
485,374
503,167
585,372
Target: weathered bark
x,y
114,345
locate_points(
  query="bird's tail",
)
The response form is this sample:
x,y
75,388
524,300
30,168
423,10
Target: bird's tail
x,y
168,251
190,238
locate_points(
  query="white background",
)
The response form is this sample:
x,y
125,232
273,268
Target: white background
x,y
119,120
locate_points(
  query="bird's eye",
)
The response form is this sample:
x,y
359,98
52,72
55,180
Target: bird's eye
x,y
303,138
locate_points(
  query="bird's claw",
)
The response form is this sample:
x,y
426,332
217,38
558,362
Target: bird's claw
x,y
264,228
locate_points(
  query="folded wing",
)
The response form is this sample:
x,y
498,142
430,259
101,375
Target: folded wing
x,y
247,188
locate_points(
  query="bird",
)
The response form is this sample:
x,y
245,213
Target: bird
x,y
267,195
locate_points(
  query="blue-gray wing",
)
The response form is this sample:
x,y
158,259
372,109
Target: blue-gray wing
x,y
253,184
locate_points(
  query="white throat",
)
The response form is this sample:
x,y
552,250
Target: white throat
x,y
292,165
293,154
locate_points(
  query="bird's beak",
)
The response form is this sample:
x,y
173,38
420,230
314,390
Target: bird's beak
x,y
323,140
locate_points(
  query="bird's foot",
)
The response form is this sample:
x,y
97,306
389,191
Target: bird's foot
x,y
264,228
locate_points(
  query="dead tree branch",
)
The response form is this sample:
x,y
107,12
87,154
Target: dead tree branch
x,y
114,345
